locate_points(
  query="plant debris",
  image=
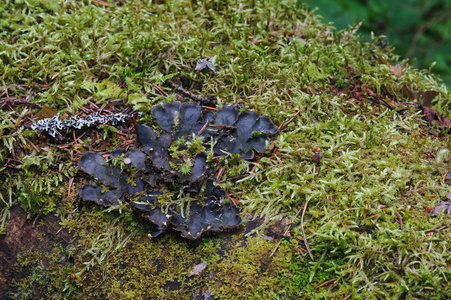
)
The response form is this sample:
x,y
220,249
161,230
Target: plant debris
x,y
178,161
198,269
443,205
206,64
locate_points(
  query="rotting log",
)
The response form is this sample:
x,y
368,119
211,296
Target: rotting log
x,y
21,237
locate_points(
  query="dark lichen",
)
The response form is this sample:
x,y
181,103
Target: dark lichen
x,y
230,132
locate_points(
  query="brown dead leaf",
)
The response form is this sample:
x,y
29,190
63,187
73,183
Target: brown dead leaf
x,y
46,112
198,269
445,205
398,70
424,98
411,94
317,157
431,115
368,90
447,180
427,97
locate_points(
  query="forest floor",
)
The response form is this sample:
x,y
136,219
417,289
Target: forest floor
x,y
343,203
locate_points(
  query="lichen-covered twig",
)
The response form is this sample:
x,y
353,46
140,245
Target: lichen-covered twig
x,y
53,125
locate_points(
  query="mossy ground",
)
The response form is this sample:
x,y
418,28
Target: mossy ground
x,y
377,166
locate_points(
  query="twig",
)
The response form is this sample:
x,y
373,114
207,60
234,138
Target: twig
x,y
303,233
347,297
286,232
19,102
399,219
16,160
159,90
210,108
231,178
221,126
118,101
230,197
300,253
278,234
283,125
40,212
221,171
71,181
181,90
326,282
33,145
438,229
203,128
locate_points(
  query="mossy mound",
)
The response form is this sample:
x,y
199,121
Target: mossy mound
x,y
363,139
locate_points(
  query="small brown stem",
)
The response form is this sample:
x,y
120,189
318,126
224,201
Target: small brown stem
x,y
283,125
303,233
40,213
326,282
286,232
399,219
200,99
33,145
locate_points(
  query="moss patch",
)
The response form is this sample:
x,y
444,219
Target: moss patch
x,y
363,160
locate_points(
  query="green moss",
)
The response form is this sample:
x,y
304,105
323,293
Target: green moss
x,y
273,59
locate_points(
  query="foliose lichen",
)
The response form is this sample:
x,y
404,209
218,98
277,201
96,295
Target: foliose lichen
x,y
152,169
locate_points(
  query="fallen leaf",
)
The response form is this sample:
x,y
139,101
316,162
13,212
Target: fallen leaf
x,y
431,115
198,269
46,113
369,91
411,94
398,70
445,205
426,97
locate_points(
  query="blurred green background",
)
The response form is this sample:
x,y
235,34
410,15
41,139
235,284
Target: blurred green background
x,y
419,29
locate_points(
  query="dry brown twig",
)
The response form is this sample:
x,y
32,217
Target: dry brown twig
x,y
160,90
303,233
200,99
40,213
283,125
286,232
326,282
399,219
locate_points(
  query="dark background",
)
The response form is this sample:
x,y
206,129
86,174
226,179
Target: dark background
x,y
419,29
